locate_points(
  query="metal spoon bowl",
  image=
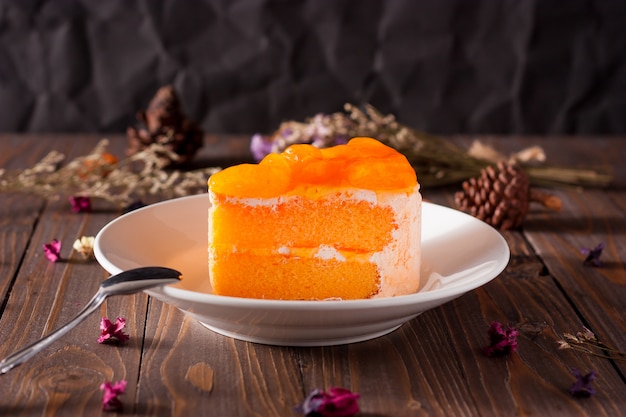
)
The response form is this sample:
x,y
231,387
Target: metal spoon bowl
x,y
124,283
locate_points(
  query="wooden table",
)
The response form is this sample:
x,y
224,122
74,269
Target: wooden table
x,y
431,366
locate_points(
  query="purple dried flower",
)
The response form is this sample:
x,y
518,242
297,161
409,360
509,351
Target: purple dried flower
x,y
110,400
593,255
502,340
582,386
111,332
337,402
260,146
327,141
80,204
586,334
52,250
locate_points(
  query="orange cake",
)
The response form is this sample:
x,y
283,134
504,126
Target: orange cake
x,y
314,224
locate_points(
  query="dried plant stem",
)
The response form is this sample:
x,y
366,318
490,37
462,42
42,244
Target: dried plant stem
x,y
546,199
599,351
437,161
555,176
587,342
99,175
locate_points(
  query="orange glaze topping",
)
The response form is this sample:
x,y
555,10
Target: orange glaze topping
x,y
363,163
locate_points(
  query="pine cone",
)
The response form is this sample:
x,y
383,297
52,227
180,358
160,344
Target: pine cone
x,y
164,123
499,196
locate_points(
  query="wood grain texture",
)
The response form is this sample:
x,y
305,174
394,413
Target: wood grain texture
x,y
599,294
538,377
431,366
248,379
66,376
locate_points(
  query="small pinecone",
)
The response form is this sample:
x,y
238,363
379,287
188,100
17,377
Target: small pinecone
x,y
500,196
164,123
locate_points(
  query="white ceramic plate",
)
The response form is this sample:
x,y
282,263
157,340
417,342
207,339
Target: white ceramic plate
x,y
459,254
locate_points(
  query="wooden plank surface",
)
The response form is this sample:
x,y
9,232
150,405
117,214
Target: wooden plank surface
x,y
64,379
431,366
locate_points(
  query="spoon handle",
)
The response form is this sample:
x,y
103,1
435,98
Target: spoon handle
x,y
28,352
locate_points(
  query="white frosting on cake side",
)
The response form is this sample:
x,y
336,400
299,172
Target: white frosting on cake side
x,y
399,262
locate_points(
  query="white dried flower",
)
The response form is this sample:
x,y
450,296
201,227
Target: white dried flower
x,y
563,344
84,246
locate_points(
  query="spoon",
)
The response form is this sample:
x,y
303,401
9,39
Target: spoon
x,y
124,283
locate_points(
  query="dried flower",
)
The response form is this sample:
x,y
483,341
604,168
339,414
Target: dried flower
x,y
110,400
146,172
587,342
84,246
337,402
112,332
502,340
593,255
80,204
96,165
260,146
563,345
582,386
437,161
52,250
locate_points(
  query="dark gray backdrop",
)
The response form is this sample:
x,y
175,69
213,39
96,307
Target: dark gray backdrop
x,y
243,66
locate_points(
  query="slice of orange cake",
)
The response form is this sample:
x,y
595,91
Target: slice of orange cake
x,y
314,224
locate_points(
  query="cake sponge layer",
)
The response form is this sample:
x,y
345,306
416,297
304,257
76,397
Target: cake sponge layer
x,y
298,222
291,277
